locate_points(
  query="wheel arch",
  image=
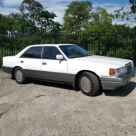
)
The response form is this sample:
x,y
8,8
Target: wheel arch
x,y
14,70
78,75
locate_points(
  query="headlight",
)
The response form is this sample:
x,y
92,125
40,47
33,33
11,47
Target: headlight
x,y
119,71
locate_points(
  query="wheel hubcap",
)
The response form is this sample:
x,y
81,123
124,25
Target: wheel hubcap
x,y
19,75
85,84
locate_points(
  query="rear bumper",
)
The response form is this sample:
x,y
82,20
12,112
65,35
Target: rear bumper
x,y
7,69
109,83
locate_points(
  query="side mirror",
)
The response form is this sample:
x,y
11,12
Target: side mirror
x,y
59,57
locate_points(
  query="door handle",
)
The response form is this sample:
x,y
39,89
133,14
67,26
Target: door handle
x,y
22,61
44,63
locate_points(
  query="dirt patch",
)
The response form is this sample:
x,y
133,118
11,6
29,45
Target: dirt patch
x,y
47,109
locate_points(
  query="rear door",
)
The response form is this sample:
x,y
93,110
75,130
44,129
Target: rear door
x,y
30,62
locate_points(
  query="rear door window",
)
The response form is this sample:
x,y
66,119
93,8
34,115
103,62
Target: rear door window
x,y
33,52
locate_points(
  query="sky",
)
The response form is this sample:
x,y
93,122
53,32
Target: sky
x,y
59,7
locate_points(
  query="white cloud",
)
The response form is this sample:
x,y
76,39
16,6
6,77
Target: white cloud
x,y
59,10
11,3
110,7
6,11
128,23
45,3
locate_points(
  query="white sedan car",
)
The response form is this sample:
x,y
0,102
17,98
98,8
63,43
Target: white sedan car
x,y
69,64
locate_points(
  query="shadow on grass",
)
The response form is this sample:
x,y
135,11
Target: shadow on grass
x,y
122,91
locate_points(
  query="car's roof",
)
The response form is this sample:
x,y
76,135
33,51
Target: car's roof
x,y
50,45
20,53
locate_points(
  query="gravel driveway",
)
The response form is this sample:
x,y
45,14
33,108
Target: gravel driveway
x,y
49,109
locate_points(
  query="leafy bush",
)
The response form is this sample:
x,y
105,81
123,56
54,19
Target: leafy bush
x,y
0,63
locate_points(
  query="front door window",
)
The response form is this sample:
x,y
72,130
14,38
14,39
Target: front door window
x,y
50,53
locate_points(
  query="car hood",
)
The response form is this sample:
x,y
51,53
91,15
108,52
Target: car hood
x,y
118,62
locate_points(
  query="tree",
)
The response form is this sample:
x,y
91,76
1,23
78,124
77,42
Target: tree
x,y
122,14
101,16
36,16
12,19
45,20
77,15
25,25
31,5
7,21
133,7
3,23
56,27
100,21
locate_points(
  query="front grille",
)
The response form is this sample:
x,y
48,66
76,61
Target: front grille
x,y
129,66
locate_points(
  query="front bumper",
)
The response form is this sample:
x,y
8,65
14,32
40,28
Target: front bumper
x,y
110,83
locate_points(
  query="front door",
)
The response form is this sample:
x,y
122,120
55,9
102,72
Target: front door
x,y
51,68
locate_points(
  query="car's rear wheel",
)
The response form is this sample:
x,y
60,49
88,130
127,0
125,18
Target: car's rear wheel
x,y
89,83
19,76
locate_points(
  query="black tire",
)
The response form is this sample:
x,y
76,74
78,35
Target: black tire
x,y
19,76
89,83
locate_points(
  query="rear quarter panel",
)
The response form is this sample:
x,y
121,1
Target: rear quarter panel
x,y
10,61
13,61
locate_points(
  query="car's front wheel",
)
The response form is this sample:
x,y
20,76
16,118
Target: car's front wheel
x,y
19,76
89,83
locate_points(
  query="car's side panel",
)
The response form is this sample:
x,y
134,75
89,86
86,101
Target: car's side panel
x,y
58,77
74,66
54,65
55,70
30,66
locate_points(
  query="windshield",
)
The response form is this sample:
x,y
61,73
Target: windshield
x,y
73,51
